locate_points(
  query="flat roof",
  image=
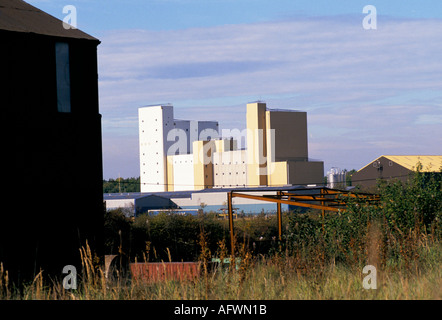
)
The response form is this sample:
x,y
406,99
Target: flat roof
x,y
188,193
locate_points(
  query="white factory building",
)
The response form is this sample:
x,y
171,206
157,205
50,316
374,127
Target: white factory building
x,y
160,136
180,155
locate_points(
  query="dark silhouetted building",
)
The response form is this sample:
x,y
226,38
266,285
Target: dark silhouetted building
x,y
51,142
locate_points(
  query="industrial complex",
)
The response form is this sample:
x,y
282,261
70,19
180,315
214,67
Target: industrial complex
x,y
188,166
189,162
179,155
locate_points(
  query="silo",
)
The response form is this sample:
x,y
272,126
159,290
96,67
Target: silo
x,y
336,178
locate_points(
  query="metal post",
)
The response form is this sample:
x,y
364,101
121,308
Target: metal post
x,y
232,240
279,216
322,211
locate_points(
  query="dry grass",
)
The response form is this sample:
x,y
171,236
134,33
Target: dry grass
x,y
282,278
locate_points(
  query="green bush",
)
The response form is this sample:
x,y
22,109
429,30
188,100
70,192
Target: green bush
x,y
407,215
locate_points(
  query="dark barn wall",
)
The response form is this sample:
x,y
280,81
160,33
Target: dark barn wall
x,y
386,169
50,157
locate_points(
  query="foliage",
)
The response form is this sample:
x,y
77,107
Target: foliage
x,y
121,185
117,232
407,214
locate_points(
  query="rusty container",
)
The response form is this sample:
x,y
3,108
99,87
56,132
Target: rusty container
x,y
163,271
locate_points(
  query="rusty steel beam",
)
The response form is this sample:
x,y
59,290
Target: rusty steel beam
x,y
293,203
326,197
232,239
279,218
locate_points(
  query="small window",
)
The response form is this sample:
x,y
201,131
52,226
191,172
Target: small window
x,y
390,163
63,76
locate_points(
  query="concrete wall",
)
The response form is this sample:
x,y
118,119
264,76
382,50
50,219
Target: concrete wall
x,y
256,144
289,141
278,174
203,163
154,125
183,172
305,172
230,168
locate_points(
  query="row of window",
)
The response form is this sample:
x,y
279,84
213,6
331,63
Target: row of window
x,y
231,173
222,164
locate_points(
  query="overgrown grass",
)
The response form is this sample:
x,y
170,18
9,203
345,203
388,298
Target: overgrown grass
x,y
263,278
319,257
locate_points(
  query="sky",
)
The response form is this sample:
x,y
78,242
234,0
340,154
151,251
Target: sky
x,y
367,92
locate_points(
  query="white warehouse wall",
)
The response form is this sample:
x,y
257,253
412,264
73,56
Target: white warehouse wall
x,y
183,176
230,168
154,124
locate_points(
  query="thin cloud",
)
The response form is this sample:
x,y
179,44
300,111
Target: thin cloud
x,y
371,83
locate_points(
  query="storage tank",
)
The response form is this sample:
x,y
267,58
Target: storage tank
x,y
336,178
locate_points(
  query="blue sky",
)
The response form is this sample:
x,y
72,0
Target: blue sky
x,y
366,92
96,16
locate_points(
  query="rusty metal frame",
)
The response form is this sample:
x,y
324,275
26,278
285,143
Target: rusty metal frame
x,y
324,199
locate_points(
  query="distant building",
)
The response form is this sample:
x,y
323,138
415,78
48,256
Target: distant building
x,y
137,203
394,167
51,143
196,201
177,155
336,178
160,136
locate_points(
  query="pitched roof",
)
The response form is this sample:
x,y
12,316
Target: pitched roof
x,y
19,16
429,163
